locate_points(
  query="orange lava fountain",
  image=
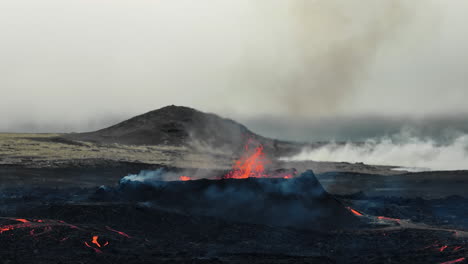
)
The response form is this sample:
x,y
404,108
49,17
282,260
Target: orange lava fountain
x,y
252,164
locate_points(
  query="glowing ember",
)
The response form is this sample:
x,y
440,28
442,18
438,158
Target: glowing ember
x,y
289,176
252,164
354,211
95,249
388,218
118,232
13,227
5,228
454,261
443,248
95,241
185,178
39,227
457,248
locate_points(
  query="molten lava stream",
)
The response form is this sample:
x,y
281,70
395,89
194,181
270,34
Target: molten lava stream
x,y
454,261
355,212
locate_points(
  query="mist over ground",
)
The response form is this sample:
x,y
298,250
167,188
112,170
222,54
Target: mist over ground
x,y
404,149
68,65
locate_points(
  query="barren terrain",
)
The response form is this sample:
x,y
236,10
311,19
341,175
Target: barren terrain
x,y
99,198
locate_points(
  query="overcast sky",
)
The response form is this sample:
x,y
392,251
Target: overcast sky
x,y
80,64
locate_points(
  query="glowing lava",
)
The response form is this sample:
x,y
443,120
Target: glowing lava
x,y
95,241
118,232
443,248
354,211
185,178
388,218
251,164
457,248
454,261
38,227
95,249
24,224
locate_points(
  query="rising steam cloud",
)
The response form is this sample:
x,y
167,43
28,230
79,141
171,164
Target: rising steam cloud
x,y
414,154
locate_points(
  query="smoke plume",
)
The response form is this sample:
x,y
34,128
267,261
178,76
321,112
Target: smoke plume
x,y
320,51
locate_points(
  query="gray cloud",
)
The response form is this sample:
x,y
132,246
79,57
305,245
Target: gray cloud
x,y
321,52
440,129
69,64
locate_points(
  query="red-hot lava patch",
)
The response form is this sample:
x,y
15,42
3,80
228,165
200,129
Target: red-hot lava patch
x,y
58,233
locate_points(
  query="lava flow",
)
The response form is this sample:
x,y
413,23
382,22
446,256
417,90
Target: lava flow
x,y
441,249
185,178
45,227
118,232
355,212
24,224
388,218
251,164
95,241
454,261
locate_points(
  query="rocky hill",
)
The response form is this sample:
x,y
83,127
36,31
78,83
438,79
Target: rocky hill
x,y
178,126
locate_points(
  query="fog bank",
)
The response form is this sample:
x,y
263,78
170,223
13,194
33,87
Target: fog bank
x,y
401,150
72,61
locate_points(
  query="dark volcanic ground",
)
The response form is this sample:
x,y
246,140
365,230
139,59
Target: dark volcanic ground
x,y
52,225
149,235
63,201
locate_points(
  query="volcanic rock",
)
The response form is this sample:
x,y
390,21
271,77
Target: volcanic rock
x,y
299,202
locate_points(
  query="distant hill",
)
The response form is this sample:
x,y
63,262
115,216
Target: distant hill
x,y
178,126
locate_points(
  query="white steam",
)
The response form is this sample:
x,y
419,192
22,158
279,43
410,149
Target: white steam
x,y
415,154
150,176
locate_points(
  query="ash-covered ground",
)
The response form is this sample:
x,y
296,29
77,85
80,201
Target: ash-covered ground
x,y
93,198
272,220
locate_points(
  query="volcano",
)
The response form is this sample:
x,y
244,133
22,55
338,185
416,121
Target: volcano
x,y
300,202
176,126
